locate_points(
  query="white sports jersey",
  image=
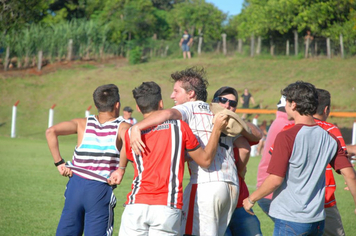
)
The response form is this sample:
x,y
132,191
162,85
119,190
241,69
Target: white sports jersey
x,y
200,120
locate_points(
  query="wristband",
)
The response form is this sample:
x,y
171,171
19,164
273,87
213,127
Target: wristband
x,y
62,161
249,200
122,167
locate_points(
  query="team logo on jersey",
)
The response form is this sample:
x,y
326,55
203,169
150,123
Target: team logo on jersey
x,y
203,107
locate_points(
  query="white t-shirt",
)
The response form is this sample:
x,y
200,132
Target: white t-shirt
x,y
199,118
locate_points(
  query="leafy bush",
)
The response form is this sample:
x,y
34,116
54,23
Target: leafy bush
x,y
135,55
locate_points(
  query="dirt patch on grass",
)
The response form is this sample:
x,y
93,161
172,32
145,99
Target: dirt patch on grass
x,y
62,65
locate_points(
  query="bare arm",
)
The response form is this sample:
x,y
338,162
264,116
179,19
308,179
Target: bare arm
x,y
181,41
350,178
255,135
351,151
117,175
241,100
154,119
204,157
253,100
271,183
52,133
244,154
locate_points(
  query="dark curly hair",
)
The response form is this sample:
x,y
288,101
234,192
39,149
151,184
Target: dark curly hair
x,y
193,79
304,95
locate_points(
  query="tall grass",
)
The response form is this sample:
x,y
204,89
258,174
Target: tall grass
x,y
32,190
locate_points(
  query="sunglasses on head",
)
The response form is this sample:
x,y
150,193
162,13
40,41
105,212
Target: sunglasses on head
x,y
223,100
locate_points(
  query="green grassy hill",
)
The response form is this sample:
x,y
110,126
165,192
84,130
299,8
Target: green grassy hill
x,y
71,89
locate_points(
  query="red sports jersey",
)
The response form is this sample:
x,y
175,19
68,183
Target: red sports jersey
x,y
159,170
330,185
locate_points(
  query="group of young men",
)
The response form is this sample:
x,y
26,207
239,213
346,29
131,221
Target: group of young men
x,y
215,143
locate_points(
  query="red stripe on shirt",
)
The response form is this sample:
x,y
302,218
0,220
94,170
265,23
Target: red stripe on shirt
x,y
190,217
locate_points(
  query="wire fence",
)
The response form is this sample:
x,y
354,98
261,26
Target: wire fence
x,y
149,48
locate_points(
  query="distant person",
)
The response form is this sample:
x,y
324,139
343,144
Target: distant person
x,y
277,125
245,99
154,206
127,115
89,199
185,43
297,168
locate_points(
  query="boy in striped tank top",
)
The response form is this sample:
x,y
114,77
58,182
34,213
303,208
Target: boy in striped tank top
x,y
89,199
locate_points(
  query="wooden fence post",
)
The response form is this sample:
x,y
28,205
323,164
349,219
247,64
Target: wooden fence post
x,y
342,46
7,58
307,48
70,49
295,42
258,49
224,43
328,50
218,47
239,48
39,64
287,47
200,43
272,46
252,51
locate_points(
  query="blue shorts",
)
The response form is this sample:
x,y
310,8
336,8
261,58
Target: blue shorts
x,y
89,207
243,224
185,47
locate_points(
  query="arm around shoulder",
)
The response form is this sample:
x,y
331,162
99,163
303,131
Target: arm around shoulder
x,y
204,157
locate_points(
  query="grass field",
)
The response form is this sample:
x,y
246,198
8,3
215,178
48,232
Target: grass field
x,y
32,190
71,89
31,196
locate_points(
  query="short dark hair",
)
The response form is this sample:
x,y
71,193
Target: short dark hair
x,y
105,97
324,100
304,95
147,96
193,79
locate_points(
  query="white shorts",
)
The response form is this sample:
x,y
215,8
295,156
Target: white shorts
x,y
142,219
208,207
